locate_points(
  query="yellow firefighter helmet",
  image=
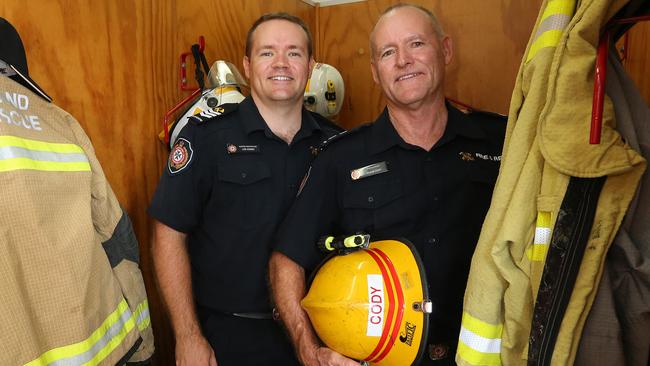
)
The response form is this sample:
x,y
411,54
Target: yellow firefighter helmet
x,y
371,304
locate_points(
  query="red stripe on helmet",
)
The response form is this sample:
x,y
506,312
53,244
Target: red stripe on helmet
x,y
391,306
400,304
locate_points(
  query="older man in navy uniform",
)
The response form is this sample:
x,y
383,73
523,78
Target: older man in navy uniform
x,y
423,170
228,183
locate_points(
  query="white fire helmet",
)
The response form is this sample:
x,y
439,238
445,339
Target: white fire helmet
x,y
325,92
222,86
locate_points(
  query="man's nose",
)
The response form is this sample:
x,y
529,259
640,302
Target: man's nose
x,y
404,58
280,60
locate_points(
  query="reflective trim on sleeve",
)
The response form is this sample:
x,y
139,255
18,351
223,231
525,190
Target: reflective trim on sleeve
x,y
537,252
25,154
474,357
555,18
479,342
142,315
95,348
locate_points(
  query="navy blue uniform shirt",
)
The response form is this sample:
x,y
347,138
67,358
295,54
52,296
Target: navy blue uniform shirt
x,y
228,183
369,180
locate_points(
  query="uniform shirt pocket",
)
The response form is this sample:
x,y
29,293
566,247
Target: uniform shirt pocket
x,y
244,193
368,204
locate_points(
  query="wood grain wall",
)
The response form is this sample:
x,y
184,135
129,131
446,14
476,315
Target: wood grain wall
x,y
637,62
489,40
113,65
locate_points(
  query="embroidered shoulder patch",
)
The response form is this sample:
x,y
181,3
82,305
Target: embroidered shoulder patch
x,y
180,156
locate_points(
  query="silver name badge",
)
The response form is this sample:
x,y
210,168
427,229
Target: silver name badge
x,y
369,170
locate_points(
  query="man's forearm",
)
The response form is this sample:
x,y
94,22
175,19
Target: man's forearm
x,y
172,267
288,287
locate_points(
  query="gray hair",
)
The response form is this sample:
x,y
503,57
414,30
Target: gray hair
x,y
437,28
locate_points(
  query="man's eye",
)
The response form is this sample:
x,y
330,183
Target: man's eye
x,y
295,54
387,53
417,44
266,54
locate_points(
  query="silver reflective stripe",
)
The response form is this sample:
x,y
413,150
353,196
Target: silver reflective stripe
x,y
553,22
13,152
142,318
111,333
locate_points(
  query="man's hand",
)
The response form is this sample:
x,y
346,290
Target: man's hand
x,y
327,357
288,288
194,351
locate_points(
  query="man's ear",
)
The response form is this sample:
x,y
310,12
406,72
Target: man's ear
x,y
373,69
247,65
312,62
447,49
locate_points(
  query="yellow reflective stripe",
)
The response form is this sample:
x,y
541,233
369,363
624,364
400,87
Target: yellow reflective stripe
x,y
64,355
18,153
547,39
142,315
481,328
555,7
551,37
544,219
474,357
537,252
52,166
39,145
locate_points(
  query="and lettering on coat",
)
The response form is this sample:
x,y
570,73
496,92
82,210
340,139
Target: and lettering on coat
x,y
20,119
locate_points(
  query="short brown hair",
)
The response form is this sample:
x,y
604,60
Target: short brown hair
x,y
278,16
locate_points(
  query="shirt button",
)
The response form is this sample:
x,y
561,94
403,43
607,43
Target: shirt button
x,y
432,240
427,159
371,199
243,175
435,198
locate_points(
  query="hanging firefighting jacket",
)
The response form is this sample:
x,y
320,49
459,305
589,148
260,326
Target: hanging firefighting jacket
x,y
72,291
617,331
557,204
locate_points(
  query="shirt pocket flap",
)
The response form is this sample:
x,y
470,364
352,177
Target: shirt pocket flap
x,y
244,173
372,194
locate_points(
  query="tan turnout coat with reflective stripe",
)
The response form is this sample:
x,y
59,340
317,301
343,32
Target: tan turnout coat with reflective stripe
x,y
547,143
62,303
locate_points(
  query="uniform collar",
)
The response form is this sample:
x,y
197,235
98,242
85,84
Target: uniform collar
x,y
384,135
252,120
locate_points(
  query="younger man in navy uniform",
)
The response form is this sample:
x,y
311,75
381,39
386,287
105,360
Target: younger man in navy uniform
x,y
423,171
228,183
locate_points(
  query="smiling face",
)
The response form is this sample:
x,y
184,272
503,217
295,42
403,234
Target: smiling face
x,y
409,58
279,64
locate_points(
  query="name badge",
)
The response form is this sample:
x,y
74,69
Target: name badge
x,y
369,170
242,149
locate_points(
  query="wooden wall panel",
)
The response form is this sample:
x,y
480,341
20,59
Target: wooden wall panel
x,y
637,63
113,65
224,24
489,38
